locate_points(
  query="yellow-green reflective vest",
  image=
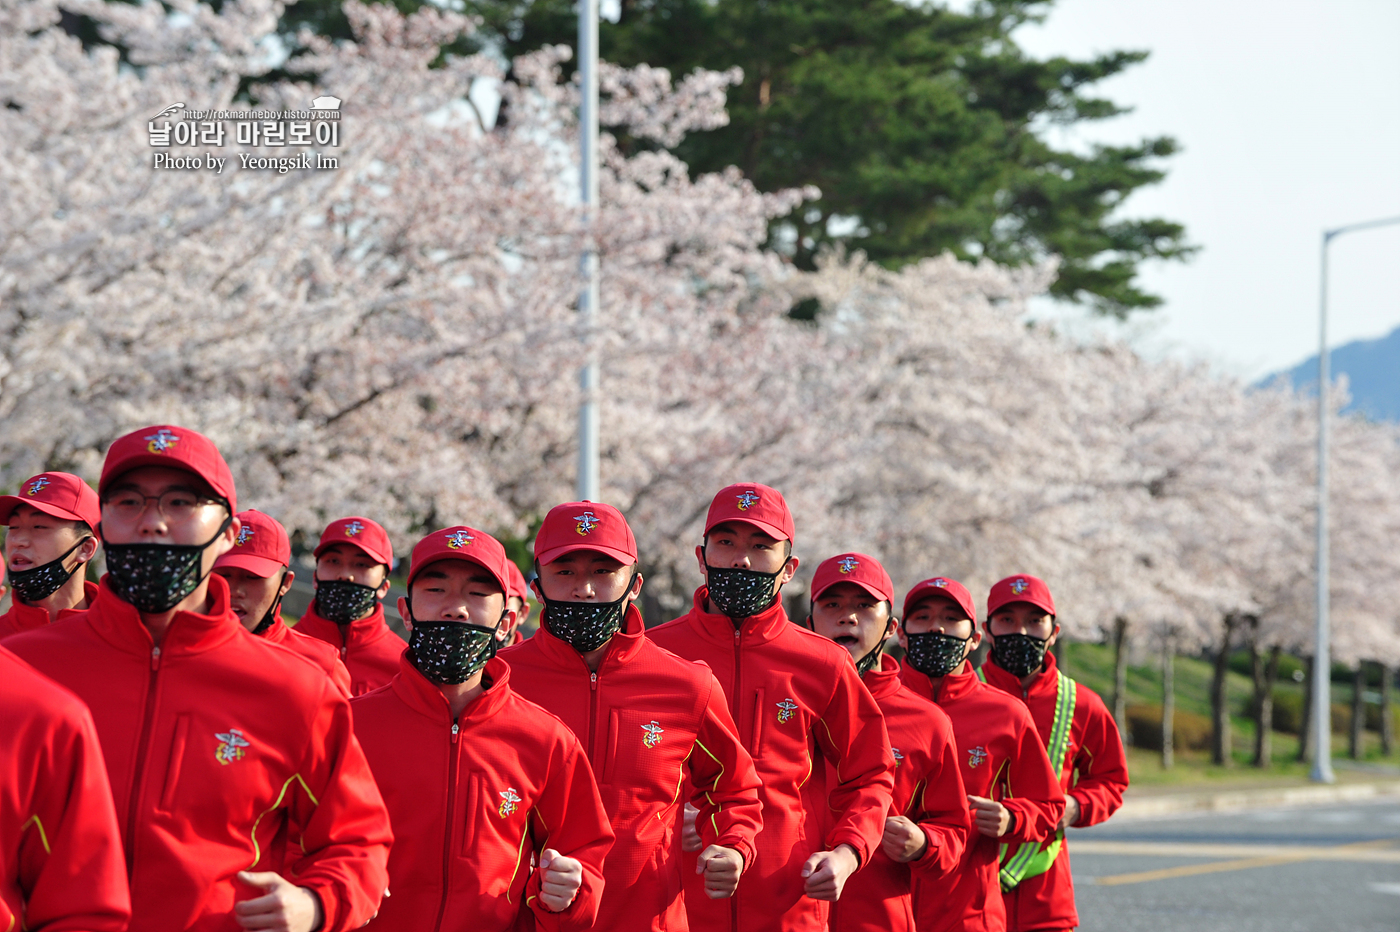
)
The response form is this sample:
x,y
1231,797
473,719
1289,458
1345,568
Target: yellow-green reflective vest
x,y
1030,859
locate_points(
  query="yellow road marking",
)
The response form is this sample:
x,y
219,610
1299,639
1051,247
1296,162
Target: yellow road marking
x,y
1243,857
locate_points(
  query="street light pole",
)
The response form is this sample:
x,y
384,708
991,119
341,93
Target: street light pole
x,y
1322,659
588,295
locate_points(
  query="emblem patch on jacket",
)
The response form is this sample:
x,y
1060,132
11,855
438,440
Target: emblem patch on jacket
x,y
976,756
509,801
653,737
231,745
898,757
785,710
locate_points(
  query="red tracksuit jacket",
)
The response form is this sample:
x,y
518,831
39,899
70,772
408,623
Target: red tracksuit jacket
x,y
928,789
369,648
480,799
313,649
798,702
649,721
60,851
213,741
1096,774
20,617
1002,758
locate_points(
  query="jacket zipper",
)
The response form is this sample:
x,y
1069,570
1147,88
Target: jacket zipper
x,y
738,668
734,706
139,770
447,829
593,719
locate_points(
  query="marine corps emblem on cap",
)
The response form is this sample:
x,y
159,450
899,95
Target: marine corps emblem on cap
x,y
848,563
353,528
161,441
509,800
785,710
245,534
747,500
653,731
1020,586
459,539
976,756
586,523
941,583
38,485
231,745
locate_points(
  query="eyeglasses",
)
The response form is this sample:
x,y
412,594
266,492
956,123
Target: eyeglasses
x,y
174,504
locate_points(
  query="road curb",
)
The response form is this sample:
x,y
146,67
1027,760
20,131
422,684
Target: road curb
x,y
1148,807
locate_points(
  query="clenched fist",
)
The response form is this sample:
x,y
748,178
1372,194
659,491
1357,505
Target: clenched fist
x,y
989,817
560,879
722,868
903,840
284,907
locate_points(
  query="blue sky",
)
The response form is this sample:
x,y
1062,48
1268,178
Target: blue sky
x,y
1289,117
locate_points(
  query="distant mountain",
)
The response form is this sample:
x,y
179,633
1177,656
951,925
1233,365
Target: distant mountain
x,y
1372,368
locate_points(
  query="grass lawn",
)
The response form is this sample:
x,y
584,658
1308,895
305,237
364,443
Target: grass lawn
x,y
1092,665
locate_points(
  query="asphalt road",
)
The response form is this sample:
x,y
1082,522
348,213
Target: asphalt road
x,y
1273,870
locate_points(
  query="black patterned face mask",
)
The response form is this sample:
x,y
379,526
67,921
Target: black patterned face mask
x,y
1018,654
342,601
935,654
740,593
585,626
156,577
271,615
450,652
40,582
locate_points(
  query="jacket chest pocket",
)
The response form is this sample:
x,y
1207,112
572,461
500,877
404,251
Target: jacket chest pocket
x,y
495,811
781,723
645,750
176,764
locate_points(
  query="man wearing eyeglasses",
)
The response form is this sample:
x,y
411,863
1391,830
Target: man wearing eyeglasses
x,y
215,740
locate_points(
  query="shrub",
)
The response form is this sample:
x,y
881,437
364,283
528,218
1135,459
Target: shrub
x,y
1190,732
1288,712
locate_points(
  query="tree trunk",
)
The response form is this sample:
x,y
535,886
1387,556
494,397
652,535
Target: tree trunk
x,y
1120,673
1168,700
1387,716
1219,696
1265,673
1356,746
1305,726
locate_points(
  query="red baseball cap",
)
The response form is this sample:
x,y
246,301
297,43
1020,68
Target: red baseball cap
x,y
261,548
865,571
1020,588
518,587
751,503
175,447
941,587
358,532
466,544
585,526
60,494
